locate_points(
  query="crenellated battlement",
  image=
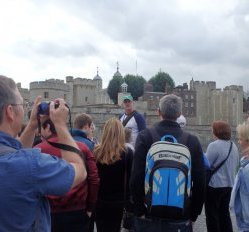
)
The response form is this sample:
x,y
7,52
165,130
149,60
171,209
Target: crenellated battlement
x,y
83,81
234,87
49,84
206,84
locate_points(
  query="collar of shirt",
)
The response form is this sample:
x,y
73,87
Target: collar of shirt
x,y
8,140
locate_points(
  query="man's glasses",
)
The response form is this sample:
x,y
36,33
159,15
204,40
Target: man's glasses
x,y
25,104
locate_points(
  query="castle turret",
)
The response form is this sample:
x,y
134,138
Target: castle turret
x,y
98,81
191,84
117,74
124,88
69,99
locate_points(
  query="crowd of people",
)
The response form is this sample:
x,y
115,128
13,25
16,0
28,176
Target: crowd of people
x,y
67,180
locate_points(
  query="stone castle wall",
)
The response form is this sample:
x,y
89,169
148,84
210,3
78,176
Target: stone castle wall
x,y
216,104
77,92
101,114
53,88
82,96
227,105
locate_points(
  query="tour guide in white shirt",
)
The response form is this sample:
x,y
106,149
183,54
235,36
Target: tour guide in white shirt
x,y
136,122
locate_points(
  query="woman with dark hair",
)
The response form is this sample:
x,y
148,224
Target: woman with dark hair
x,y
114,161
220,186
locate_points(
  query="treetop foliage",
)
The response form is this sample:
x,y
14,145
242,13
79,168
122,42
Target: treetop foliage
x,y
135,83
161,81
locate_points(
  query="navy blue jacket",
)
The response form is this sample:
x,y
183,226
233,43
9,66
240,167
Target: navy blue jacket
x,y
81,136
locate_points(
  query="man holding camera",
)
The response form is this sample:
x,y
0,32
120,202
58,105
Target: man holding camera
x,y
27,176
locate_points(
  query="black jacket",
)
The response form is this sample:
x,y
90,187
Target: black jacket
x,y
143,143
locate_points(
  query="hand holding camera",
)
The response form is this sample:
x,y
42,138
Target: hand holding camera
x,y
44,107
56,110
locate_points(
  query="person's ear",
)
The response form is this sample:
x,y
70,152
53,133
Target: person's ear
x,y
47,129
159,113
9,112
179,114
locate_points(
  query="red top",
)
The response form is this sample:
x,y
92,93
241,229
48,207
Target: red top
x,y
82,196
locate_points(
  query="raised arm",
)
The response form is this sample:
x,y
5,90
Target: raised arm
x,y
28,134
59,117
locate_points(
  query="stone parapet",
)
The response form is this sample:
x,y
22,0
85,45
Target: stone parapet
x,y
49,84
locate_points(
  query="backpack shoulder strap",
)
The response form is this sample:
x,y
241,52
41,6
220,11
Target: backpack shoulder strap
x,y
6,149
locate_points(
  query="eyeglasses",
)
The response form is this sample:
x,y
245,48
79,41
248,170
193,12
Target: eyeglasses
x,y
25,104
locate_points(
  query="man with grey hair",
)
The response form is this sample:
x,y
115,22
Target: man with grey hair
x,y
27,176
170,107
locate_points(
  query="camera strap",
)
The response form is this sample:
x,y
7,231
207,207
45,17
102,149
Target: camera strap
x,y
39,124
66,147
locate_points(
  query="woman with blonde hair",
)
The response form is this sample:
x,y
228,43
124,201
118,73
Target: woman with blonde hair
x,y
240,195
114,161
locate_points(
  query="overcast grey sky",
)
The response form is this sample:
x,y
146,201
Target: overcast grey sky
x,y
204,39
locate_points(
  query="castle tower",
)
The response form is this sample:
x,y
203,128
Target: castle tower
x,y
98,81
191,84
69,99
49,89
117,74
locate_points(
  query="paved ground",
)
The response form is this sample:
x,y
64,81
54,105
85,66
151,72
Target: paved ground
x,y
200,224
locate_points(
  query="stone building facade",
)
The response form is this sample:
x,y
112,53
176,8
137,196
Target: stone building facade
x,y
189,99
76,91
48,90
151,98
202,102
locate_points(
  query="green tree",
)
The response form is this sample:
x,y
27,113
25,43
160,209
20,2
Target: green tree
x,y
160,81
135,85
114,87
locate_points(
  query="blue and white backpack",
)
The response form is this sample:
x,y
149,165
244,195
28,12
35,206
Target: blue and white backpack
x,y
168,177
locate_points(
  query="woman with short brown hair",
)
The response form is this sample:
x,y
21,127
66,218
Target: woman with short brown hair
x,y
221,130
220,186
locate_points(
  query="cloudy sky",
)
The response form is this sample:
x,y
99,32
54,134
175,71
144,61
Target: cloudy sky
x,y
203,39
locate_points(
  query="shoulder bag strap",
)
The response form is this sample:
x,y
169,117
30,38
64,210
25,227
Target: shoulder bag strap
x,y
127,119
219,166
